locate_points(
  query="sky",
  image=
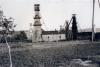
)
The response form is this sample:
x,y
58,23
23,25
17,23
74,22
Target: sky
x,y
53,12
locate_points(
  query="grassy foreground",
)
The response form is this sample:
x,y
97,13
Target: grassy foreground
x,y
48,54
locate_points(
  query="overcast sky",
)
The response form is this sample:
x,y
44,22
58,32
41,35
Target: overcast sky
x,y
53,12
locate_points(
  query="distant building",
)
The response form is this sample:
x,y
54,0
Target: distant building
x,y
53,35
37,34
86,34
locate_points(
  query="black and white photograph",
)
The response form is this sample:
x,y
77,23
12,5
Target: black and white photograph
x,y
49,33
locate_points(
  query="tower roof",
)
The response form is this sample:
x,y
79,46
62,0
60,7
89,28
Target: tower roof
x,y
37,7
36,4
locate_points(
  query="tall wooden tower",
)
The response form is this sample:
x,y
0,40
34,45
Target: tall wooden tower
x,y
74,27
37,32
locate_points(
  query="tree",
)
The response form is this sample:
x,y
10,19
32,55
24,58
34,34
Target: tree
x,y
21,36
7,26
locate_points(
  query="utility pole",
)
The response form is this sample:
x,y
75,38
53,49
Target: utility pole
x,y
93,20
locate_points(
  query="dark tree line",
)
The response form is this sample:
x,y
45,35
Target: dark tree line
x,y
21,36
7,28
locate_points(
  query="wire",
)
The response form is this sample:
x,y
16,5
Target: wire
x,y
43,22
64,25
70,22
79,27
44,25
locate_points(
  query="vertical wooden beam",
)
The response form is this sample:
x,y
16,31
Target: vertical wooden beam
x,y
93,20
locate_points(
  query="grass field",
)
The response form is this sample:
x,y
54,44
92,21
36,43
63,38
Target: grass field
x,y
50,54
